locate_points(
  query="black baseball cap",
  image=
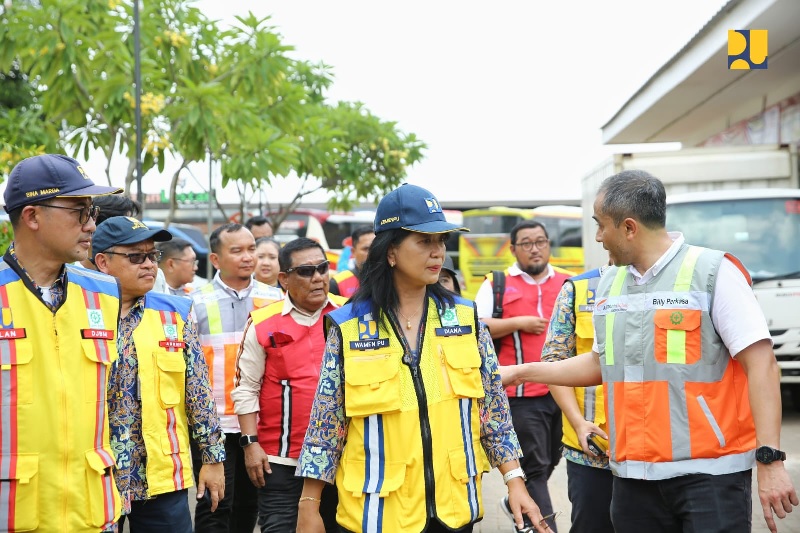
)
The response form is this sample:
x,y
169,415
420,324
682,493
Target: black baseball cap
x,y
46,176
412,208
116,231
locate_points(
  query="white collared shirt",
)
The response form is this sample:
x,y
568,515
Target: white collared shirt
x,y
484,299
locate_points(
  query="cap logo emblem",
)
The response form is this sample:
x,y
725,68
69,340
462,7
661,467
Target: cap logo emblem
x,y
137,224
389,220
433,205
83,173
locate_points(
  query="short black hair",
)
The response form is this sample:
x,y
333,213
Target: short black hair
x,y
258,220
172,248
359,231
634,194
116,205
265,240
526,224
296,245
214,239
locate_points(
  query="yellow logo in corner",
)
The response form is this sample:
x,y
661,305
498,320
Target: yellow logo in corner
x,y
747,49
137,224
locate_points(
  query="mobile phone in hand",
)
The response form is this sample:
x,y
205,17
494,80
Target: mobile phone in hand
x,y
594,447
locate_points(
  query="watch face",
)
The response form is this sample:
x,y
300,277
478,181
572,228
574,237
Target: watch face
x,y
765,454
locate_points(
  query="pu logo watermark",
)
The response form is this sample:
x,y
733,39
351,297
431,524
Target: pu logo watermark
x,y
747,49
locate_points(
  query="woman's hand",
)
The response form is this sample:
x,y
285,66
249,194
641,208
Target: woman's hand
x,y
308,517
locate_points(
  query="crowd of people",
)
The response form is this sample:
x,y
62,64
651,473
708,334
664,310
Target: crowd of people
x,y
374,400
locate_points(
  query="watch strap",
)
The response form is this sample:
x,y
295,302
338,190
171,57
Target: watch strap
x,y
511,474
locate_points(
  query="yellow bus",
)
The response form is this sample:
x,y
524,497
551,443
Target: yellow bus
x,y
488,245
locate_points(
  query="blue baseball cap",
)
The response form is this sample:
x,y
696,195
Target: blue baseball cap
x,y
414,209
116,231
46,176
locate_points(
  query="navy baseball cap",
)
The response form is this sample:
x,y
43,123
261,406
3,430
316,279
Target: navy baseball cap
x,y
46,176
115,231
412,208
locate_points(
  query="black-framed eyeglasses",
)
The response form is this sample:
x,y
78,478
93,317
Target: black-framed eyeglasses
x,y
540,244
85,212
307,271
137,258
195,261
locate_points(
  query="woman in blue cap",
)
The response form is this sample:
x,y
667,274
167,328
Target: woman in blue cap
x,y
409,411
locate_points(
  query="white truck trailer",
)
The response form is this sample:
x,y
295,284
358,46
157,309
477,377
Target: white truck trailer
x,y
743,200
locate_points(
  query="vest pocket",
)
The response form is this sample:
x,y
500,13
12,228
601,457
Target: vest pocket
x,y
17,371
677,336
357,481
100,487
372,383
463,366
170,378
25,486
466,474
96,374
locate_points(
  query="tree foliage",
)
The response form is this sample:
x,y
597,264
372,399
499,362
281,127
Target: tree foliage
x,y
236,94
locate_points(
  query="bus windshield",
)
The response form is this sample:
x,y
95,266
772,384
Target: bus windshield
x,y
761,232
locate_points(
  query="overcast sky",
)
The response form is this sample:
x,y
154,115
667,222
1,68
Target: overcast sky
x,y
509,95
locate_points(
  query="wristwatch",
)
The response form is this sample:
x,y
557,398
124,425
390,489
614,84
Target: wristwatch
x,y
768,454
511,474
247,440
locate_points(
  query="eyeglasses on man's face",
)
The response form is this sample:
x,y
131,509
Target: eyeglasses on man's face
x,y
307,271
84,213
137,258
540,244
196,262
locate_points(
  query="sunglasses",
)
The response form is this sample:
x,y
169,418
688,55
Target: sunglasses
x,y
307,271
84,213
137,258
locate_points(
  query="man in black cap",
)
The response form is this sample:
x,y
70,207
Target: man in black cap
x,y
159,392
55,350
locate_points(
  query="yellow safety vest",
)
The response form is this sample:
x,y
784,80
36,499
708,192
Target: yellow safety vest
x,y
590,399
413,446
162,377
55,458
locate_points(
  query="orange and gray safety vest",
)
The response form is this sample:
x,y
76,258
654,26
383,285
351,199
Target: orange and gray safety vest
x,y
221,318
55,459
677,401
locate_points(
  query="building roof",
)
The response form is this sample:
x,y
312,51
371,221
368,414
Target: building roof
x,y
694,95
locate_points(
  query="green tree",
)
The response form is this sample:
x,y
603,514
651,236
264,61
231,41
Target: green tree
x,y
235,95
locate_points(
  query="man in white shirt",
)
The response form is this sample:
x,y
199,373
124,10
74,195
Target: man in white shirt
x,y
692,385
276,378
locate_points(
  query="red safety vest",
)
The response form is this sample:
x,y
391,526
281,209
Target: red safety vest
x,y
522,299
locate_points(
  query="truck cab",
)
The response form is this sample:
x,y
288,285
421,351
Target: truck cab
x,y
761,227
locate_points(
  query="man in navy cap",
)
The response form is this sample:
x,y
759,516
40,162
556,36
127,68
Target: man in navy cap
x,y
159,395
57,330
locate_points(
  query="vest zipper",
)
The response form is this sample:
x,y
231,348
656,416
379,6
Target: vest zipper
x,y
427,444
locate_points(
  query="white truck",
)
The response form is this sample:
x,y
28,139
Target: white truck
x,y
743,200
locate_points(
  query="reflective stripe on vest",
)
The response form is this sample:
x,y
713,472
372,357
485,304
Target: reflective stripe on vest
x,y
381,477
53,411
677,402
162,378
